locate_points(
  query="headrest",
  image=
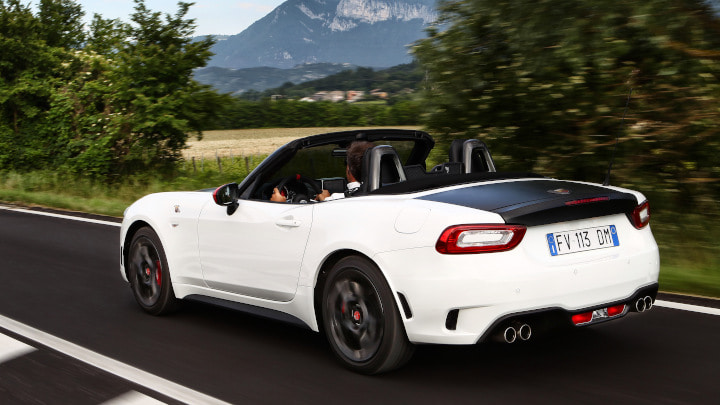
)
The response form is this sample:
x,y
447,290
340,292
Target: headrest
x,y
381,165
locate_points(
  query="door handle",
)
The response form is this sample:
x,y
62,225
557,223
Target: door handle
x,y
289,222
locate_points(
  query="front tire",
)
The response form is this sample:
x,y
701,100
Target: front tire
x,y
361,319
148,273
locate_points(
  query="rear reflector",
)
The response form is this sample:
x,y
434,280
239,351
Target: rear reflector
x,y
599,314
461,239
616,310
579,319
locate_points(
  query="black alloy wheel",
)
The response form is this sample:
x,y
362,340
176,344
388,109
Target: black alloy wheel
x,y
361,320
148,273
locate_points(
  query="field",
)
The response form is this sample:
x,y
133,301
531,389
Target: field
x,y
252,142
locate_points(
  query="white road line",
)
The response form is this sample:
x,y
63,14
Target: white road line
x,y
133,398
11,348
128,372
687,307
71,217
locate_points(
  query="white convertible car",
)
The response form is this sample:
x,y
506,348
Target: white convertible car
x,y
455,254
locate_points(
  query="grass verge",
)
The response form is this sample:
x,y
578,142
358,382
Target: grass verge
x,y
53,190
103,206
689,252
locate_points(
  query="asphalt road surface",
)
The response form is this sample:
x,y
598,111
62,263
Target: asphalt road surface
x,y
71,333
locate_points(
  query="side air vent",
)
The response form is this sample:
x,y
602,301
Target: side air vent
x,y
405,306
452,319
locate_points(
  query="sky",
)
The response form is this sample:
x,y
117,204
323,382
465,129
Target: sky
x,y
212,17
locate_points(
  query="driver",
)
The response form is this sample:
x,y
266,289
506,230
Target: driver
x,y
353,171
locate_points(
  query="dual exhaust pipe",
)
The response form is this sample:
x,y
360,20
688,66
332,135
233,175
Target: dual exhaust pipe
x,y
520,330
515,331
643,304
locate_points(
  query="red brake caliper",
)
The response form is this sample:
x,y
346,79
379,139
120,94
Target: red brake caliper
x,y
158,273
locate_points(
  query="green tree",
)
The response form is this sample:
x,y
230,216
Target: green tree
x,y
106,36
154,89
546,81
28,71
61,23
133,103
118,101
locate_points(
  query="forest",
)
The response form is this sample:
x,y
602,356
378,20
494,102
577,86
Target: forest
x,y
561,87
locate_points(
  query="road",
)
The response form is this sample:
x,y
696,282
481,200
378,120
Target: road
x,y
60,278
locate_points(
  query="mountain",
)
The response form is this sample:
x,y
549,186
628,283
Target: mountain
x,y
360,32
237,81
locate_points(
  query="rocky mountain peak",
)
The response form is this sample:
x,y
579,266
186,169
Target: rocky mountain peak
x,y
361,32
372,11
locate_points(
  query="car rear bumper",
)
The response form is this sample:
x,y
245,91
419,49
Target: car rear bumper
x,y
548,318
482,293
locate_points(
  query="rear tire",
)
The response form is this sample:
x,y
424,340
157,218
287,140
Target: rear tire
x,y
361,318
149,275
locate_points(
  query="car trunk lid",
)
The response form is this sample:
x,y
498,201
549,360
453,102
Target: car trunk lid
x,y
538,202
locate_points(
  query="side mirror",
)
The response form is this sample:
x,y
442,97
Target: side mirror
x,y
227,196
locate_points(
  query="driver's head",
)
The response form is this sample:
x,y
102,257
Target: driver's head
x,y
355,153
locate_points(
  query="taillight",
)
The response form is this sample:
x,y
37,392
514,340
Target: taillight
x,y
461,239
641,215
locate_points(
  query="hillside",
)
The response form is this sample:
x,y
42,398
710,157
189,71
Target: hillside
x,y
396,80
237,81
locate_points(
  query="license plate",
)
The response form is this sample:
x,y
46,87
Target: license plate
x,y
582,240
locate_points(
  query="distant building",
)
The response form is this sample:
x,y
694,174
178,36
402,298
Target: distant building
x,y
379,94
354,95
334,96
